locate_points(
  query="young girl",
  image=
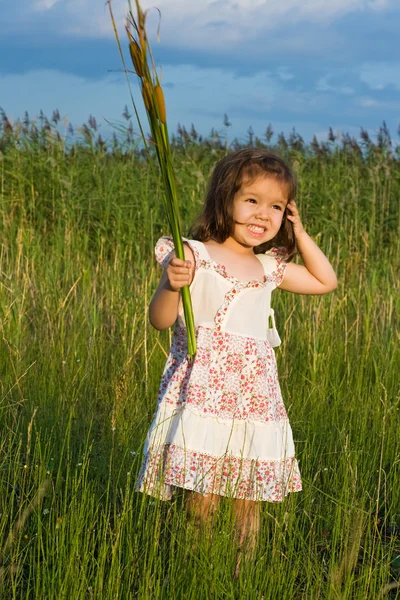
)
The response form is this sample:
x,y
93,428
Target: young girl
x,y
221,428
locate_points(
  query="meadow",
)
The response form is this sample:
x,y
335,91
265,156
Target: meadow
x,y
80,368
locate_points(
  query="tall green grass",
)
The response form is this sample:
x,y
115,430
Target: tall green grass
x,y
80,368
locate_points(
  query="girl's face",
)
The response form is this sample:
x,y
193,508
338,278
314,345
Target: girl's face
x,y
258,211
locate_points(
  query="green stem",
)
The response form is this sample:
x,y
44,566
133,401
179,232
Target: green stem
x,y
159,132
185,292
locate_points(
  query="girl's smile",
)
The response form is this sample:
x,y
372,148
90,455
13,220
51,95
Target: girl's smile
x,y
256,230
258,211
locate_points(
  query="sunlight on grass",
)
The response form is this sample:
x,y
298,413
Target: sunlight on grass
x,y
80,370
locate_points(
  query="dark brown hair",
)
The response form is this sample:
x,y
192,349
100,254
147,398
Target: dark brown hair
x,y
216,220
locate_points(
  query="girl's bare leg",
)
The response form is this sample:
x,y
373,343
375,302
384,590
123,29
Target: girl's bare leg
x,y
247,525
201,510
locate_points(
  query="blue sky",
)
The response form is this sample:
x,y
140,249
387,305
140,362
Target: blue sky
x,y
308,64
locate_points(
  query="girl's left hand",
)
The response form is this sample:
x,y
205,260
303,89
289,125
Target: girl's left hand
x,y
294,217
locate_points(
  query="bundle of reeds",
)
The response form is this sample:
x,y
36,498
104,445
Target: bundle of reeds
x,y
154,103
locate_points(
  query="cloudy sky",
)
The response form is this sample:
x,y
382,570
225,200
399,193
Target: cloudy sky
x,y
308,64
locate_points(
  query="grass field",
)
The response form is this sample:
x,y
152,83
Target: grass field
x,y
80,367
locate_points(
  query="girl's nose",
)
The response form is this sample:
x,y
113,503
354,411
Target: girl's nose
x,y
263,213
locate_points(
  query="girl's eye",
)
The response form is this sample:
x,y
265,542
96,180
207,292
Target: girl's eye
x,y
252,200
277,206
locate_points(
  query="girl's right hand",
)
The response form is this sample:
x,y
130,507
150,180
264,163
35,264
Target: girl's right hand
x,y
179,273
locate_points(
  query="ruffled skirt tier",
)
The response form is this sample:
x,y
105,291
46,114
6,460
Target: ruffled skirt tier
x,y
221,426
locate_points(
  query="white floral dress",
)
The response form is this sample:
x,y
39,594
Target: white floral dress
x,y
221,426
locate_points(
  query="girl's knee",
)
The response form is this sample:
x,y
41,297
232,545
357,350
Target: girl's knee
x,y
202,506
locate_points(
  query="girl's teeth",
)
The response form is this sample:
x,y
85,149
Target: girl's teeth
x,y
257,229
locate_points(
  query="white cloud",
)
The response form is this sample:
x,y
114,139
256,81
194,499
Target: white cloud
x,y
325,85
207,23
379,4
284,74
367,102
43,5
380,75
382,105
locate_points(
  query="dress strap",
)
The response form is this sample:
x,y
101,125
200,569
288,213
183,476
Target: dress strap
x,y
274,265
199,249
165,247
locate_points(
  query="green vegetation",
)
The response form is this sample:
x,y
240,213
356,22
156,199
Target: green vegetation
x,y
80,368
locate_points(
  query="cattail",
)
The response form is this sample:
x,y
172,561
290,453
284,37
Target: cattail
x,y
162,113
147,96
136,56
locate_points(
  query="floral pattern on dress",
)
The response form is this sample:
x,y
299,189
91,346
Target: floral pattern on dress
x,y
280,254
231,296
164,248
231,377
276,276
231,476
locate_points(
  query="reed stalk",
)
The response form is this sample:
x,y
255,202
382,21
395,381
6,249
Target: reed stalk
x,y
154,103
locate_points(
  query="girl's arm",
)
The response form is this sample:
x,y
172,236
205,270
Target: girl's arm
x,y
163,309
316,275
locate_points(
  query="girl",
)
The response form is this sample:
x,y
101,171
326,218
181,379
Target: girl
x,y
221,428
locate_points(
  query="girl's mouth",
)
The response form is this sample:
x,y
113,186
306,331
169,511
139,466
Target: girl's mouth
x,y
256,230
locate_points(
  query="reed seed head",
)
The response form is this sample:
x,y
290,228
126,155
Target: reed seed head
x,y
162,113
136,56
141,16
142,39
147,96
